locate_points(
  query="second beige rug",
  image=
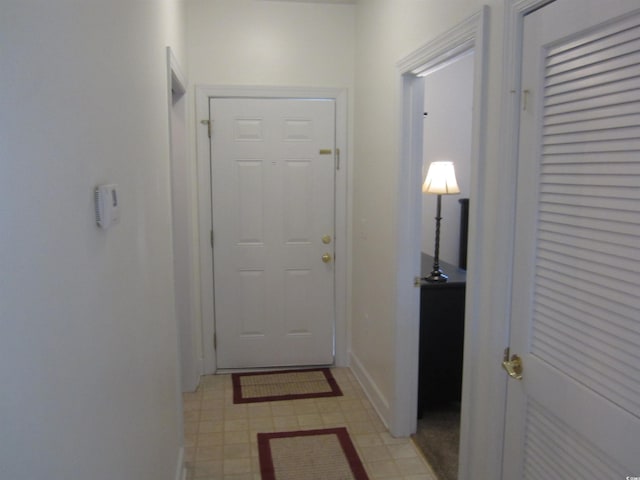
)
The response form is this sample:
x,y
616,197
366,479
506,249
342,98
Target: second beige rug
x,y
326,454
284,385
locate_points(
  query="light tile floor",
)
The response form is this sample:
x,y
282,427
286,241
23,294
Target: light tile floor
x,y
220,437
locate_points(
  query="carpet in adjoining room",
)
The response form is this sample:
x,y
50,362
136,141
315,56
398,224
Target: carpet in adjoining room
x,y
438,437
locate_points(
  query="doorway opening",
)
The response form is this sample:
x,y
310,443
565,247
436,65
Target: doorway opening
x,y
448,114
442,52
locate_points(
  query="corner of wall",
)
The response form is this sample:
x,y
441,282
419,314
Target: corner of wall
x,y
371,390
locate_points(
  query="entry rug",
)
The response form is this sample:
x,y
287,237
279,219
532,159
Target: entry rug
x,y
284,385
326,454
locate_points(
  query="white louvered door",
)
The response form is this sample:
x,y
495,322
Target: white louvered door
x,y
273,219
575,319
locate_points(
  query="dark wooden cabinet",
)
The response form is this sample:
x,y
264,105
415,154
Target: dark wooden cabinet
x,y
441,337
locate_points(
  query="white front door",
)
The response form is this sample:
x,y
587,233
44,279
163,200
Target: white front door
x,y
273,169
576,290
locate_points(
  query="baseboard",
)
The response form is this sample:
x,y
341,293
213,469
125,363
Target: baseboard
x,y
371,390
181,471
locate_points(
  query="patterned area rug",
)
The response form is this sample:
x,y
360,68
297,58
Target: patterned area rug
x,y
284,385
326,454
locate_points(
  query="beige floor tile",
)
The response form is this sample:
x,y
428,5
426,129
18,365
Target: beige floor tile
x,y
207,470
333,419
311,420
209,426
237,450
190,427
412,466
367,439
305,407
209,454
389,440
261,424
399,451
283,423
424,476
221,438
236,437
376,453
259,410
210,439
212,415
236,465
238,424
282,409
384,469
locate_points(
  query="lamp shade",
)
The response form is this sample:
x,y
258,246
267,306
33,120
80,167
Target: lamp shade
x,y
441,179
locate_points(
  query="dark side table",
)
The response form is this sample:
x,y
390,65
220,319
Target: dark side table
x,y
441,337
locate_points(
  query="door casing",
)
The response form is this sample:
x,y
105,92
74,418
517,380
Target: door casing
x,y
342,203
469,34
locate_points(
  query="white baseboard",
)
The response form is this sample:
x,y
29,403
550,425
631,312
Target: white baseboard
x,y
371,390
181,471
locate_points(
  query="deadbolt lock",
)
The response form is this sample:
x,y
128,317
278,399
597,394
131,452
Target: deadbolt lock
x,y
326,239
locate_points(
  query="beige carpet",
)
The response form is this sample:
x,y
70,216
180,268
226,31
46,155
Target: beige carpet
x,y
438,437
284,385
326,454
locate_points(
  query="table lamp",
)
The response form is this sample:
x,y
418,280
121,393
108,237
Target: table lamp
x,y
441,180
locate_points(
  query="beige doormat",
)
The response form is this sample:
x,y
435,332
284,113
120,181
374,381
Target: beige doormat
x,y
284,385
326,454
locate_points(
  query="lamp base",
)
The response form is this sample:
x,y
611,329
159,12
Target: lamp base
x,y
436,276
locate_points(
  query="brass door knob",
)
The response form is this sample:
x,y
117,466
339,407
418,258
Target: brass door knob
x,y
513,366
326,258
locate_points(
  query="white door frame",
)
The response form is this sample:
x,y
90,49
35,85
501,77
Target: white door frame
x,y
485,384
342,214
470,34
183,233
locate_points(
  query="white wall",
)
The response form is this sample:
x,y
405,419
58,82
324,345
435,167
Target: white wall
x,y
448,101
88,345
249,42
387,31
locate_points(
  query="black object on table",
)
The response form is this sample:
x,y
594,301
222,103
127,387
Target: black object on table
x,y
441,337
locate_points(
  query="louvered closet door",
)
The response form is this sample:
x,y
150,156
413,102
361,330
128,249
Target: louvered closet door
x,y
576,291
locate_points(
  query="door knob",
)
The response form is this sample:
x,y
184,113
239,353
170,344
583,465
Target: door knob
x,y
326,258
513,366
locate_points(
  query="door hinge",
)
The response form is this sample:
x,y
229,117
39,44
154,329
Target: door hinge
x,y
525,99
337,159
211,232
208,124
215,341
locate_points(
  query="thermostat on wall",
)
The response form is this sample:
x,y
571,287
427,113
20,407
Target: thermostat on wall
x,y
107,205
